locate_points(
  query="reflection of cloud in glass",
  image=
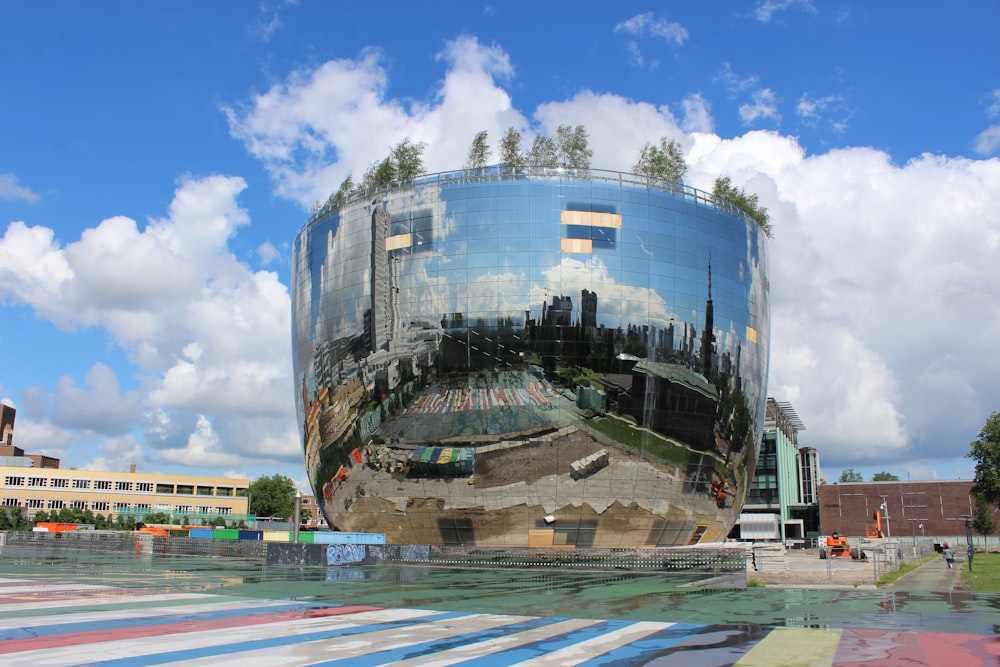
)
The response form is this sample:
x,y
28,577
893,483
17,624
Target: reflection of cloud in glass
x,y
617,304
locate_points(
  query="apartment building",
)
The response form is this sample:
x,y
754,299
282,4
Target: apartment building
x,y
187,498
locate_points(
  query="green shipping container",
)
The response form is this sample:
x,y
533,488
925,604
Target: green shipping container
x,y
226,534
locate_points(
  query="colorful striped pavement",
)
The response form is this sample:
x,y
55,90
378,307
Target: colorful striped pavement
x,y
64,623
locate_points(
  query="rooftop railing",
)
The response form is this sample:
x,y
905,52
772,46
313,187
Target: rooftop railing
x,y
501,172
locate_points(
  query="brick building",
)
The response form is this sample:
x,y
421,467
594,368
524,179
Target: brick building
x,y
912,509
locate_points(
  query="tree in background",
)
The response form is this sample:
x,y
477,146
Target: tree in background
x,y
272,496
665,161
983,522
725,190
884,477
986,452
12,519
851,475
510,150
479,153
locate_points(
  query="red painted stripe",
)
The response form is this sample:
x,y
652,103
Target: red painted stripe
x,y
77,638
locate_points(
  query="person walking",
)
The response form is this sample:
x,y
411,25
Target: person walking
x,y
949,555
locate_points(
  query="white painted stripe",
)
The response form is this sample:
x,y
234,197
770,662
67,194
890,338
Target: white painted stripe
x,y
496,645
307,653
595,646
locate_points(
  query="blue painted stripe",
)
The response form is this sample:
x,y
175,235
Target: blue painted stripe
x,y
270,642
642,651
176,616
429,648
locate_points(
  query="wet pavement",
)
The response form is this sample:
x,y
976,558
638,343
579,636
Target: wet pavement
x,y
122,610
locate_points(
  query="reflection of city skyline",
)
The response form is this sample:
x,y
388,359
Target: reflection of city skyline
x,y
429,326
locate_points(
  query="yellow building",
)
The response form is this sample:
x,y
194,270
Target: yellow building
x,y
187,498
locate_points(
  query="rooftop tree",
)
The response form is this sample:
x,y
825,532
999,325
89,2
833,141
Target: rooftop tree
x,y
725,190
665,161
510,150
479,153
571,143
543,152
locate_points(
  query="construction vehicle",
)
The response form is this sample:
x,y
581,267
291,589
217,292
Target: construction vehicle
x,y
837,546
873,530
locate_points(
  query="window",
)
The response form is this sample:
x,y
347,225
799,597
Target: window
x,y
144,487
56,504
122,507
123,486
11,502
165,488
204,510
224,491
78,505
185,489
13,480
59,483
204,490
185,509
102,485
224,510
81,484
102,506
35,503
142,507
36,482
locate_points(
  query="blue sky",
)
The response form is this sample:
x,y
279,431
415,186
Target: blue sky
x,y
157,159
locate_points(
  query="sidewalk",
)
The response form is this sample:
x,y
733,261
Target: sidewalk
x,y
931,576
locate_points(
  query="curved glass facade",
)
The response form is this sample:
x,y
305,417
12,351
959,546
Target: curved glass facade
x,y
537,359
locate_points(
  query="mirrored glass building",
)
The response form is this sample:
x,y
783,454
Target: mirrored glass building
x,y
544,358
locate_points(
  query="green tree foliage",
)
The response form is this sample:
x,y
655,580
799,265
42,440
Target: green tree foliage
x,y
404,163
986,452
543,153
510,150
982,521
408,159
346,188
725,190
884,477
379,174
571,144
665,161
11,518
851,475
272,496
479,153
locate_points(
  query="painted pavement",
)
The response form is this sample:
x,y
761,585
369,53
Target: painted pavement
x,y
167,618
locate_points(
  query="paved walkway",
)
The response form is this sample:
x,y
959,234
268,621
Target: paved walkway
x,y
933,575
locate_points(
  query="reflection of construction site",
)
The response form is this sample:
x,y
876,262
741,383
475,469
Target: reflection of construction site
x,y
558,488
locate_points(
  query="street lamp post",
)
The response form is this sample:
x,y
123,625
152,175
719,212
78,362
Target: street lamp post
x,y
968,537
885,510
